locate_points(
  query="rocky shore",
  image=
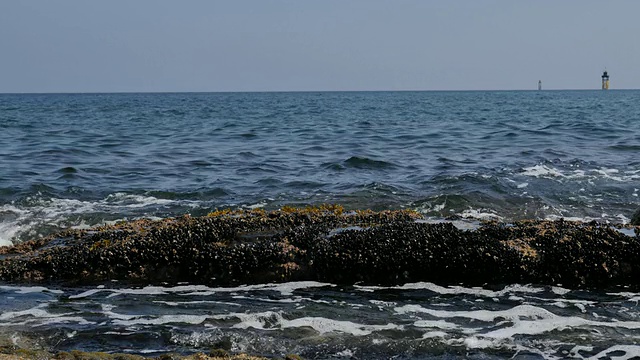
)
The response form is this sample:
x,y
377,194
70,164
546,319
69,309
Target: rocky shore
x,y
330,244
24,354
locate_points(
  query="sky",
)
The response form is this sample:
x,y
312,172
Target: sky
x,y
325,45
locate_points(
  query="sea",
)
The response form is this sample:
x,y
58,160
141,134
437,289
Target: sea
x,y
82,160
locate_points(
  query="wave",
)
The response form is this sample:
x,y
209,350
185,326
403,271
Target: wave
x,y
624,147
550,172
40,214
68,170
358,162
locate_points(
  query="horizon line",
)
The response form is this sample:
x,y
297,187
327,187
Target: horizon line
x,y
291,91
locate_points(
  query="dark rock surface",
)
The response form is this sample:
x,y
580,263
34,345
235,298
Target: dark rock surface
x,y
635,218
329,244
28,354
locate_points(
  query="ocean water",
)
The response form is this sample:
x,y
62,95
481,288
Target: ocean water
x,y
80,160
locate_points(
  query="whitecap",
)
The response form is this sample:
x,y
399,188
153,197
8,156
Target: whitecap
x,y
542,171
38,316
258,205
22,220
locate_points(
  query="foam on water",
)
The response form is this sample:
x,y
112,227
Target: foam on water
x,y
285,289
445,290
268,320
39,316
526,318
30,289
24,219
481,214
550,172
542,171
12,222
319,324
629,352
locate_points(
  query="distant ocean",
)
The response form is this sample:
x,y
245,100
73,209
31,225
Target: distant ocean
x,y
80,160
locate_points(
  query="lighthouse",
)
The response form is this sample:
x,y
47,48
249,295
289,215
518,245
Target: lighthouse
x,y
605,80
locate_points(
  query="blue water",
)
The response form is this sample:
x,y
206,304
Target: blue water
x,y
84,159
79,160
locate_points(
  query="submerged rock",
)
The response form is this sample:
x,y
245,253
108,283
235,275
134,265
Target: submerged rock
x,y
331,245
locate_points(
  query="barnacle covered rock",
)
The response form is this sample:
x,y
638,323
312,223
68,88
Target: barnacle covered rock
x,y
328,243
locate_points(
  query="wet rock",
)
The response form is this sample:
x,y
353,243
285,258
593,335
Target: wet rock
x,y
25,354
635,218
329,244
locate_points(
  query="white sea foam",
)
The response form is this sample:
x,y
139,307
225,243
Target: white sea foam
x,y
383,304
256,205
324,325
466,224
12,221
526,320
474,342
39,316
107,310
623,219
440,207
550,172
453,290
29,289
630,352
161,320
542,171
291,300
467,214
200,302
429,207
434,334
268,320
348,353
16,220
554,217
564,303
120,333
320,324
632,297
481,214
436,324
286,289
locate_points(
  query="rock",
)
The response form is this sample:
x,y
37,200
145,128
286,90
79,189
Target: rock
x,y
331,245
635,218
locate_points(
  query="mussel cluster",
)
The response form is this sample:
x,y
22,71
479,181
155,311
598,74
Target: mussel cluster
x,y
329,244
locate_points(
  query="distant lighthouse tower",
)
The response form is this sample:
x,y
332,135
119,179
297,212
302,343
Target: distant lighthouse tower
x,y
539,85
605,80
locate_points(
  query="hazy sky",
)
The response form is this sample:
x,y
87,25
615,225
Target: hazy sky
x,y
281,45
